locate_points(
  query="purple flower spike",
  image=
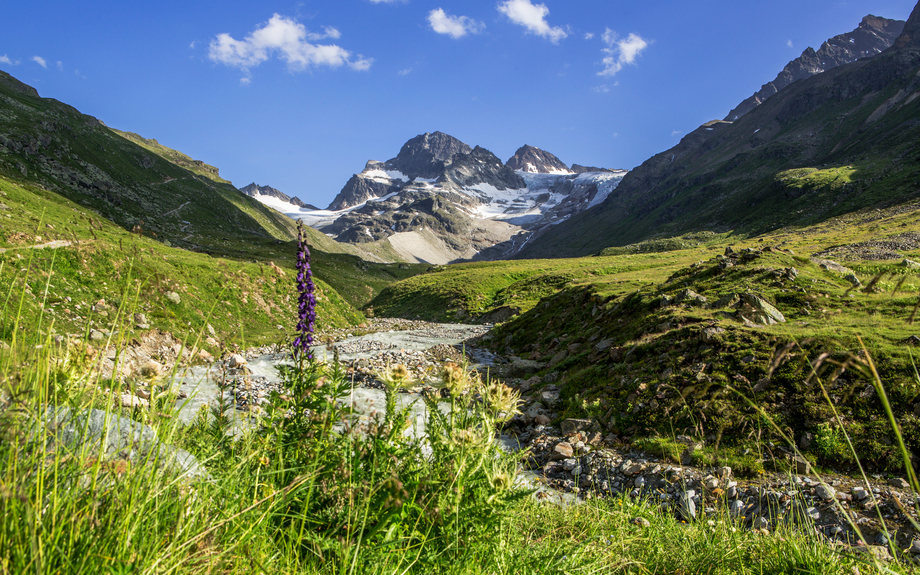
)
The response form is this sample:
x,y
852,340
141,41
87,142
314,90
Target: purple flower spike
x,y
306,300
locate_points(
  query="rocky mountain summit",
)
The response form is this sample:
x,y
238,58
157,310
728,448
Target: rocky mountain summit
x,y
535,160
441,200
871,37
254,190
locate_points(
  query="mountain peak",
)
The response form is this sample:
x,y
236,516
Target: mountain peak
x,y
910,36
425,155
534,160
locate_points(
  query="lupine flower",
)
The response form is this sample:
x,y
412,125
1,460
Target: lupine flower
x,y
306,300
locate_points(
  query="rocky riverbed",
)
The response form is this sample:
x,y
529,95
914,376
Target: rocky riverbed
x,y
574,459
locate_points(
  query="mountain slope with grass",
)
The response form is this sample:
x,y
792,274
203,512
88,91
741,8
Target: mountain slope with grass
x,y
668,338
831,144
134,182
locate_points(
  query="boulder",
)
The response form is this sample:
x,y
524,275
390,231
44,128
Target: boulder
x,y
757,310
94,431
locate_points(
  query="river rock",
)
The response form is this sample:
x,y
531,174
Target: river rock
x,y
91,431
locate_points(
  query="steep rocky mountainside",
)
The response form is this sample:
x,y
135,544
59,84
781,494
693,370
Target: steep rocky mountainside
x,y
537,161
441,200
873,36
254,190
834,143
141,188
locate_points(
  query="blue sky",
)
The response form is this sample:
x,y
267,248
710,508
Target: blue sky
x,y
299,94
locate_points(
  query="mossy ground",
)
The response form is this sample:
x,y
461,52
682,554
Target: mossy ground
x,y
645,370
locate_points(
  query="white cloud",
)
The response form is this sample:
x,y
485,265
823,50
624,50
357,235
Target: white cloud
x,y
328,32
453,26
405,72
5,60
676,133
589,35
789,43
533,18
291,41
40,61
619,53
192,45
245,81
60,65
602,89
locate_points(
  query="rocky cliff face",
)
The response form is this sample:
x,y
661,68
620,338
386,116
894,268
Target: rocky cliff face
x,y
873,36
254,191
536,161
440,200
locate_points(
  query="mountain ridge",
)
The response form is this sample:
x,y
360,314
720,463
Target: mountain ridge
x,y
839,141
872,36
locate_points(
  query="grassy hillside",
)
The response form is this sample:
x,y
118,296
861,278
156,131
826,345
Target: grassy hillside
x,y
639,354
59,260
56,147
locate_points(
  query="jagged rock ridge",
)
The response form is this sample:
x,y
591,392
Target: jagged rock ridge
x,y
873,36
254,190
855,128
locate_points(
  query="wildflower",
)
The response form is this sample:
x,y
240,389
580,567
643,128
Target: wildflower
x,y
456,379
501,399
395,377
306,300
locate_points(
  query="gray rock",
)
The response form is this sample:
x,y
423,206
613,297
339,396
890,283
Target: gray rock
x,y
910,264
710,333
236,360
825,492
550,398
140,321
899,483
689,296
92,431
641,522
132,401
173,297
737,508
757,310
603,345
96,335
574,425
854,281
686,506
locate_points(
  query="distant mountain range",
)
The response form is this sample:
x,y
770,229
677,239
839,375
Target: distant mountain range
x,y
258,192
833,143
441,200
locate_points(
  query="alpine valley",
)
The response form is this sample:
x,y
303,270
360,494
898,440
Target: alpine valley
x,y
713,351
